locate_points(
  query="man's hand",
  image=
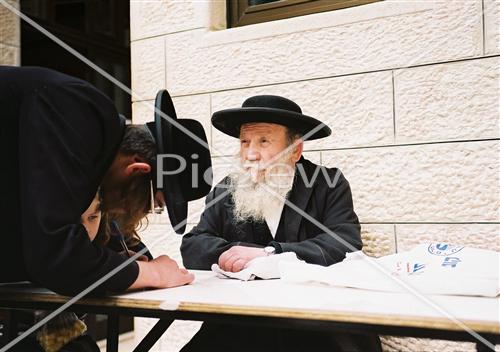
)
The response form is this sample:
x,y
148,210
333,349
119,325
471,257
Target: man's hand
x,y
236,258
161,272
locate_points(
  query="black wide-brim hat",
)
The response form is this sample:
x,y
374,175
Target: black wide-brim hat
x,y
195,180
269,109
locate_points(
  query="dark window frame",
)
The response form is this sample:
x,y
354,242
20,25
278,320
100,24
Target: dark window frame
x,y
239,13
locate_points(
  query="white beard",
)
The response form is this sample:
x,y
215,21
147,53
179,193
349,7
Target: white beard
x,y
256,200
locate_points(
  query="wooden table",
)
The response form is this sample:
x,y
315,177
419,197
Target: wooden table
x,y
274,303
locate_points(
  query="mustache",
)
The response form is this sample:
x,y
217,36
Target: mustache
x,y
261,165
254,165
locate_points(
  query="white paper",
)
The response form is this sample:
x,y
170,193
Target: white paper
x,y
261,267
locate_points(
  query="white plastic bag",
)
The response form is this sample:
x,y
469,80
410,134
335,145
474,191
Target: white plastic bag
x,y
435,268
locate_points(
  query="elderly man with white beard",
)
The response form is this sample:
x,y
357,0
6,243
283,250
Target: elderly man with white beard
x,y
250,219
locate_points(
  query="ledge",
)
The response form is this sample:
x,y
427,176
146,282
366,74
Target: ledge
x,y
387,8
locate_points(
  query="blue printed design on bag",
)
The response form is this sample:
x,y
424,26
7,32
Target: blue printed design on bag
x,y
451,261
409,268
443,249
417,267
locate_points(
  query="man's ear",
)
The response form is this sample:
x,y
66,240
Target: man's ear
x,y
297,150
137,166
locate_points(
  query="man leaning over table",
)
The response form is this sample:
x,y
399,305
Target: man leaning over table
x,y
62,140
252,220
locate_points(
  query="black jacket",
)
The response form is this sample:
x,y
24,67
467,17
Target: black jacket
x,y
58,137
328,200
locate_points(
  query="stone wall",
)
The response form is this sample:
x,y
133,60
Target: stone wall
x,y
10,40
410,90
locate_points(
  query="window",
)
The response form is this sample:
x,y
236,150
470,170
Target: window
x,y
244,12
98,29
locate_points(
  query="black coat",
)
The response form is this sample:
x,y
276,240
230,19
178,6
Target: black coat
x,y
217,231
58,137
331,205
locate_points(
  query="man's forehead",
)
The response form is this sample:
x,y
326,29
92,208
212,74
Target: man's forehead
x,y
261,128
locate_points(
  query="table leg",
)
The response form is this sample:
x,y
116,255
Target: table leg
x,y
153,335
12,328
112,332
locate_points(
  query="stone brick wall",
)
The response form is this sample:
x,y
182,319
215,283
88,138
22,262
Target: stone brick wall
x,y
410,90
10,41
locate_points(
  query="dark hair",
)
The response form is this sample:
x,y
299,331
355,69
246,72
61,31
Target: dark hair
x,y
135,202
292,135
138,140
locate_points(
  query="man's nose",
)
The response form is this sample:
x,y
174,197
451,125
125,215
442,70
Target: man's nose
x,y
253,155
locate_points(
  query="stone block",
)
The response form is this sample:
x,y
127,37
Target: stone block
x,y
449,182
449,31
454,101
148,68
